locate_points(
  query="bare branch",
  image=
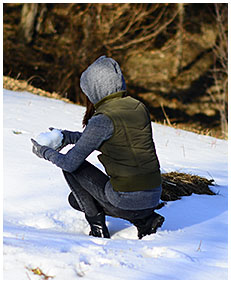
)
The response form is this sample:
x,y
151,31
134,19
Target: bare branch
x,y
147,37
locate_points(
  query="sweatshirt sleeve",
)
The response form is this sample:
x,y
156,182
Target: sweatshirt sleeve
x,y
99,129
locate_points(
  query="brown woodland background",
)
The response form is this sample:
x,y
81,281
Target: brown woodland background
x,y
174,56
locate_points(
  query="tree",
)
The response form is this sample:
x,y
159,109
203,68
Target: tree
x,y
179,37
31,18
219,92
93,30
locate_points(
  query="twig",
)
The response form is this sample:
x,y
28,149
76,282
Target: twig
x,y
39,272
28,276
35,76
165,115
199,247
183,150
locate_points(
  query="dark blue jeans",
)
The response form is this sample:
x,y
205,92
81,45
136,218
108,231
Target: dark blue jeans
x,y
87,184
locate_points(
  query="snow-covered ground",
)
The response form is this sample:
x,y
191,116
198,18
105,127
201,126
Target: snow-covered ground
x,y
41,230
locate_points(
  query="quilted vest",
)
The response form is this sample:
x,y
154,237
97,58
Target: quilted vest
x,y
129,156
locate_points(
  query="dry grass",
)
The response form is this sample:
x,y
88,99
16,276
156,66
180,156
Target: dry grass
x,y
175,185
21,85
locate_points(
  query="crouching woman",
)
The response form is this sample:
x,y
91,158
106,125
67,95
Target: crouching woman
x,y
119,127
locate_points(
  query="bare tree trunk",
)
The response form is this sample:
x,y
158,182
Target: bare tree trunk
x,y
179,38
27,23
220,72
32,17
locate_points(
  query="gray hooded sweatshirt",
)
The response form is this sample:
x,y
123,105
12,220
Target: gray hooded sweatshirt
x,y
99,80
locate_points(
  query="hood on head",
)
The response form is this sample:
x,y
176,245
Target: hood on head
x,y
101,78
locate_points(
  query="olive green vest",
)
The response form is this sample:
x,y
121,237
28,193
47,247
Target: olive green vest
x,y
129,156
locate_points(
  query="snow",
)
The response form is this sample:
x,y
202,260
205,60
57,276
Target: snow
x,y
40,229
52,139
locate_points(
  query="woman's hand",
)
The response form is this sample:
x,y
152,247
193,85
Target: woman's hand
x,y
36,149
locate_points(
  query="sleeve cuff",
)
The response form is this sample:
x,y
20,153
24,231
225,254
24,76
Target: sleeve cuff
x,y
45,152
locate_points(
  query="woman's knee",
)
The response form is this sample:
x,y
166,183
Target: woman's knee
x,y
73,203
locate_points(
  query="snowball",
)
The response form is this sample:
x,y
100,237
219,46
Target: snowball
x,y
52,139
